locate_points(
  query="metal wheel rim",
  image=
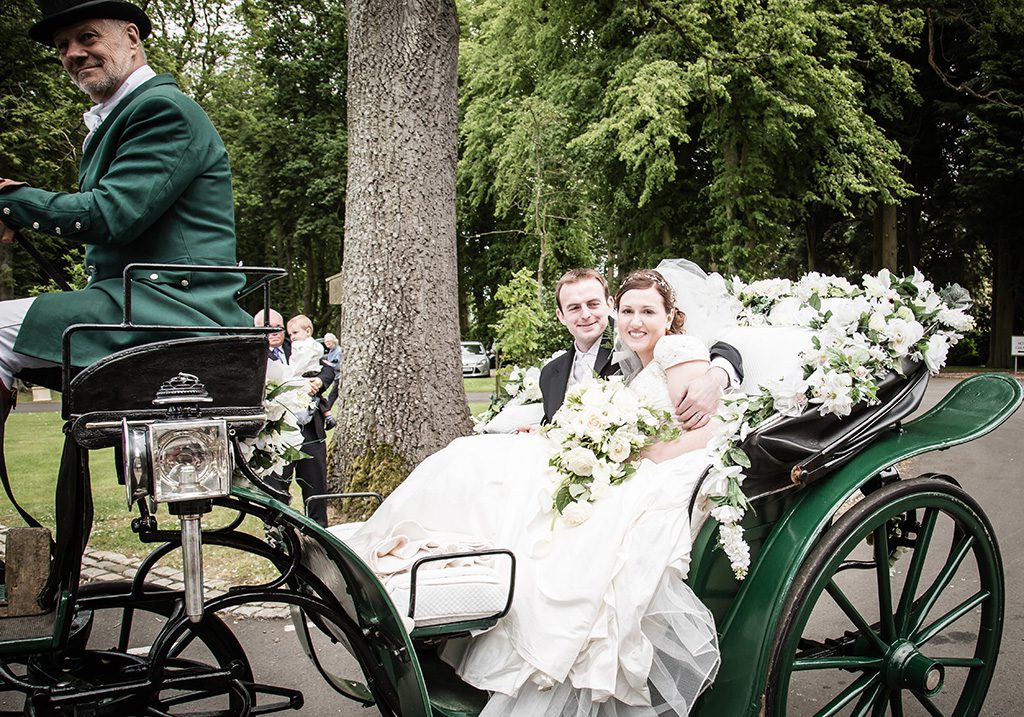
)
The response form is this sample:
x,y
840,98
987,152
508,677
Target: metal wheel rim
x,y
935,499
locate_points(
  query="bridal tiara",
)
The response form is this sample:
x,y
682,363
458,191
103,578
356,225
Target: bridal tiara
x,y
655,276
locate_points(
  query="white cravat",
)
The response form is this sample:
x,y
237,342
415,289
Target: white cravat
x,y
97,113
583,365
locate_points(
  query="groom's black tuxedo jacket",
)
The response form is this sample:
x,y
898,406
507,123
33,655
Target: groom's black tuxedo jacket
x,y
555,375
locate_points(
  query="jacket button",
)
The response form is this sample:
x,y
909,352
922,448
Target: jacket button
x,y
154,277
7,210
91,268
56,230
78,225
184,282
35,225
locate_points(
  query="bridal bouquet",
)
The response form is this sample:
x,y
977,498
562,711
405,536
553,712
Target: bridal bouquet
x,y
861,335
279,442
598,434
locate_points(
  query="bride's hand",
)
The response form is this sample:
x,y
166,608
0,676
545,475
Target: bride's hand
x,y
699,400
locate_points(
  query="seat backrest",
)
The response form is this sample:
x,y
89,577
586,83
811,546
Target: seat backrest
x,y
231,368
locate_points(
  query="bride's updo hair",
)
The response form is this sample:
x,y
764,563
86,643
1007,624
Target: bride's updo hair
x,y
647,278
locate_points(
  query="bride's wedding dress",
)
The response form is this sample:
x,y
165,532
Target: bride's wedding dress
x,y
602,622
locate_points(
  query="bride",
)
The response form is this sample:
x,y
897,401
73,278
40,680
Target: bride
x,y
602,623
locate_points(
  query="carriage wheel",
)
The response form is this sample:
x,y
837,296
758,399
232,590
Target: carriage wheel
x,y
860,638
133,627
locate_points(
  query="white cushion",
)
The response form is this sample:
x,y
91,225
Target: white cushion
x,y
512,416
769,352
452,593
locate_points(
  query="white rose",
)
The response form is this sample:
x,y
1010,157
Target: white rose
x,y
846,312
618,449
936,351
580,461
577,513
903,335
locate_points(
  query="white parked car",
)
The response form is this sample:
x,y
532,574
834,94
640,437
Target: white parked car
x,y
475,361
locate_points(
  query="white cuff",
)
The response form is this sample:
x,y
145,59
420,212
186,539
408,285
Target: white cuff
x,y
730,370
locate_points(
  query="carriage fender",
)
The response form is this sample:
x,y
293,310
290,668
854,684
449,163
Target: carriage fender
x,y
971,409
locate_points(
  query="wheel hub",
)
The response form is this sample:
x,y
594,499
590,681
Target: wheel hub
x,y
905,667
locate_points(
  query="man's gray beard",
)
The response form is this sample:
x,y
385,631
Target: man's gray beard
x,y
114,72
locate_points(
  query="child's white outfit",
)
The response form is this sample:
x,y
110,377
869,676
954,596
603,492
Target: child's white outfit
x,y
305,361
306,355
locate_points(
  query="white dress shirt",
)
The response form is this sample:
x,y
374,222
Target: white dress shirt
x,y
583,365
97,113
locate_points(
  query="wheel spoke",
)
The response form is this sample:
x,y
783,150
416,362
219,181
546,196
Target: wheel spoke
x,y
855,617
928,705
924,539
865,704
927,633
970,662
896,703
887,621
953,563
881,702
857,687
837,663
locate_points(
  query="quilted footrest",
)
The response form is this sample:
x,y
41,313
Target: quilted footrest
x,y
449,589
452,594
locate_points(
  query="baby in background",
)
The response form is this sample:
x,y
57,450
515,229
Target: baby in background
x,y
306,351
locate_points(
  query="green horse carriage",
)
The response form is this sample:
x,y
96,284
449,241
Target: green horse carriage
x,y
873,593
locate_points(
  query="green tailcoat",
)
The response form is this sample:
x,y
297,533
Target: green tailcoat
x,y
155,187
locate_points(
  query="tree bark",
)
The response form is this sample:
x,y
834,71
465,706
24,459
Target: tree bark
x,y
401,396
1003,299
885,238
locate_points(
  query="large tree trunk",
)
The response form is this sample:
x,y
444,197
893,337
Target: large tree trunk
x,y
1003,299
401,394
885,238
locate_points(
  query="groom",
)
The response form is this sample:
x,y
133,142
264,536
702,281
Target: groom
x,y
583,307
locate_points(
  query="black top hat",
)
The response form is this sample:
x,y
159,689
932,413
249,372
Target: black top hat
x,y
61,13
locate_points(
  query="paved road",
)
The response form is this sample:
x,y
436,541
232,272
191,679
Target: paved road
x,y
990,468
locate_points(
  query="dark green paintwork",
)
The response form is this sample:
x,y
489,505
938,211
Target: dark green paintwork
x,y
971,409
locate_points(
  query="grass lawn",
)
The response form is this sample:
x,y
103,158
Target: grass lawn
x,y
479,385
33,448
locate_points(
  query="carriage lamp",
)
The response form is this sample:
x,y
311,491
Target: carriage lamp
x,y
191,460
185,463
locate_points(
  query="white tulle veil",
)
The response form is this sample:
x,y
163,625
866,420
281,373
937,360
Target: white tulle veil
x,y
709,308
